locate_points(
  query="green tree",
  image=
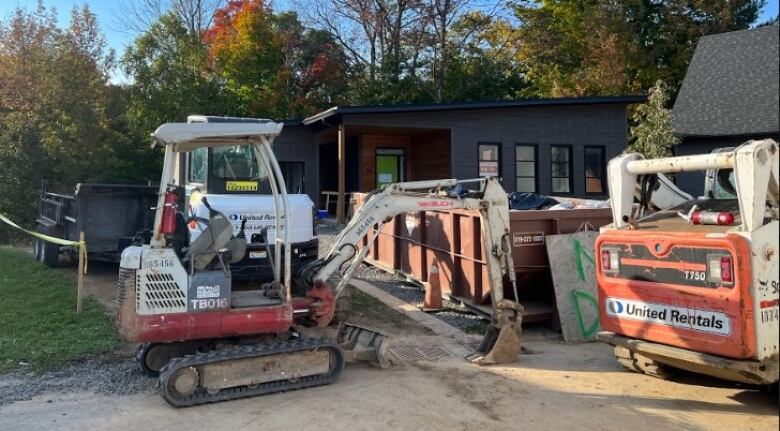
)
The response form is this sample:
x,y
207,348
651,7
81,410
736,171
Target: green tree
x,y
54,107
652,133
27,44
271,65
574,48
481,63
171,79
602,47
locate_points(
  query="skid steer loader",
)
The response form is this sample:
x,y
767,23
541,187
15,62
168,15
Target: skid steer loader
x,y
695,286
209,342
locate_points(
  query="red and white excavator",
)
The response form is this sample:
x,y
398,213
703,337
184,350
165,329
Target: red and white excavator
x,y
211,341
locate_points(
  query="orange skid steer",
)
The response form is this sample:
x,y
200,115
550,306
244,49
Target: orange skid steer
x,y
695,286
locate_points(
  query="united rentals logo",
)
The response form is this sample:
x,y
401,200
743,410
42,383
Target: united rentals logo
x,y
662,314
616,307
252,217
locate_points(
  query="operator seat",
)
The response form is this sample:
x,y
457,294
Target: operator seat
x,y
215,237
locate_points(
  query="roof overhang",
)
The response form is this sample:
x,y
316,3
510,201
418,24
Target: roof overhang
x,y
333,115
739,134
184,137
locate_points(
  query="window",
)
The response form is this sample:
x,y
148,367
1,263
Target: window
x,y
723,187
389,166
560,157
525,168
489,160
235,163
197,165
594,170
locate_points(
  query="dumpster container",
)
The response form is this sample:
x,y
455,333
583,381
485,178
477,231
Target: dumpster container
x,y
452,241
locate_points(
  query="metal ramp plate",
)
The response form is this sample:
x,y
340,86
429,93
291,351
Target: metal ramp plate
x,y
419,353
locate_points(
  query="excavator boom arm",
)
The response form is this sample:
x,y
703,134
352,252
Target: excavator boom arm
x,y
381,206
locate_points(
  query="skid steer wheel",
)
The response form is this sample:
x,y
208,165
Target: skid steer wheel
x,y
641,364
152,357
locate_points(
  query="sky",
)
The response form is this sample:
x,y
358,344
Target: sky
x,y
118,38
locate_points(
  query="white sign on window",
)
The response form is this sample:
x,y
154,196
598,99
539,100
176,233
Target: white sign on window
x,y
488,169
385,178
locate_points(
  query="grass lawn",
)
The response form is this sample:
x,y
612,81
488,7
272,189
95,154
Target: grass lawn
x,y
38,321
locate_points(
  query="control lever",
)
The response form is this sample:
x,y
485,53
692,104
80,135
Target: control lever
x,y
212,211
241,233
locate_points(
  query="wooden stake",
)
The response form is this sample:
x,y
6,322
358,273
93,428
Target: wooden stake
x,y
342,156
80,286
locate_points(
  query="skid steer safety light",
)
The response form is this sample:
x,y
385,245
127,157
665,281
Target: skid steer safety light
x,y
610,260
605,260
721,269
726,274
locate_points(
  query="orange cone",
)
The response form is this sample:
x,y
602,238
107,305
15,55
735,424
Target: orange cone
x,y
432,300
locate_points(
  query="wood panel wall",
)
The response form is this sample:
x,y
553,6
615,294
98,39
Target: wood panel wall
x,y
368,147
430,155
426,156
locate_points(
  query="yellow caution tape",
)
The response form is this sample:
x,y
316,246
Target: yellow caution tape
x,y
82,245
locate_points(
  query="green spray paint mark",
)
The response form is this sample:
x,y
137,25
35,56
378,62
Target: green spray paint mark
x,y
576,296
579,252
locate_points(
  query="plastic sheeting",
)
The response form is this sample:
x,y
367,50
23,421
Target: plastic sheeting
x,y
530,201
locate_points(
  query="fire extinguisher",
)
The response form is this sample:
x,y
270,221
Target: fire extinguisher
x,y
696,216
170,206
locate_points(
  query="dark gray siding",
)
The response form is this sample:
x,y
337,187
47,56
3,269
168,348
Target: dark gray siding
x,y
693,182
578,126
296,144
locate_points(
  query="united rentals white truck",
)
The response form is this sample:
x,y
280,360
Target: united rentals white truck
x,y
230,180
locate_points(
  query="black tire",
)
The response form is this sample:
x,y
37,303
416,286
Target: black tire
x,y
46,252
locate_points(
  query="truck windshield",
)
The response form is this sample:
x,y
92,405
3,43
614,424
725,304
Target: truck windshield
x,y
236,163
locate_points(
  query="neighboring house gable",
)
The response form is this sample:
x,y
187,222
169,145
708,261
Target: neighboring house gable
x,y
730,94
732,85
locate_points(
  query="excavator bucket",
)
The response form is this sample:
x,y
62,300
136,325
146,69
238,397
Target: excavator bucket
x,y
361,344
501,343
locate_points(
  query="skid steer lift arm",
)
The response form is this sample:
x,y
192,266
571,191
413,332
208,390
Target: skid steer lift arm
x,y
502,340
755,166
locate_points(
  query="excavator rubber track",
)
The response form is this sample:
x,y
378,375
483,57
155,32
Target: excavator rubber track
x,y
248,371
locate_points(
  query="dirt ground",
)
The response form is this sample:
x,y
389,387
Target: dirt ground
x,y
558,387
552,386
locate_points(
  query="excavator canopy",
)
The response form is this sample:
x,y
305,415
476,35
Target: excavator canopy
x,y
183,137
